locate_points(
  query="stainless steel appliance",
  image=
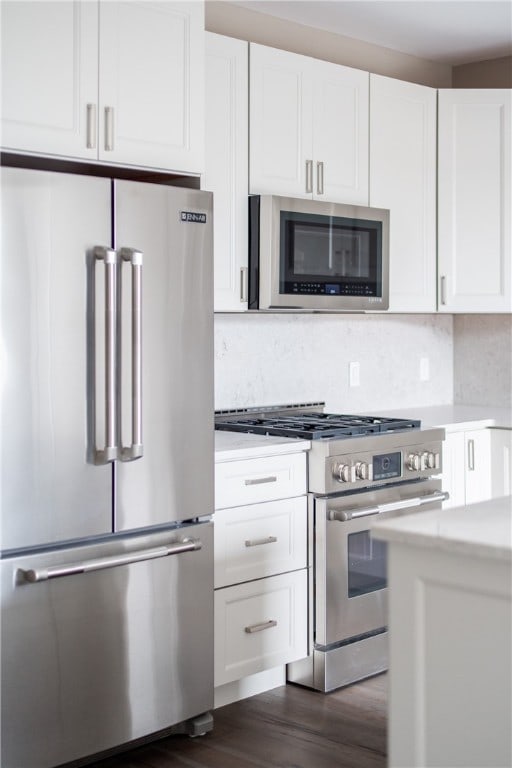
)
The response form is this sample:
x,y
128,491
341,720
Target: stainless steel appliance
x,y
313,255
107,546
360,469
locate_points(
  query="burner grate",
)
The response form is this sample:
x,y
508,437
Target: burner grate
x,y
316,426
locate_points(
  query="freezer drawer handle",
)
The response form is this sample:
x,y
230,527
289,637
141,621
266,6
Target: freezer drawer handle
x,y
344,515
260,627
257,542
110,451
99,563
260,480
135,450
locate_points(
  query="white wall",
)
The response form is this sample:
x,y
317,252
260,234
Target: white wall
x,y
226,18
483,360
272,359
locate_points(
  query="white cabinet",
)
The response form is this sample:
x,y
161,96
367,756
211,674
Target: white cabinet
x,y
226,165
403,178
116,82
474,208
261,528
450,622
476,465
308,127
49,76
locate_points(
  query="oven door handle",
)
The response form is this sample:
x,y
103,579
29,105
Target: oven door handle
x,y
344,515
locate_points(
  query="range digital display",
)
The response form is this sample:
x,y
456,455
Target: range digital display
x,y
387,465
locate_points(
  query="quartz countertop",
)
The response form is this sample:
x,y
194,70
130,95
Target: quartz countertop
x,y
483,529
240,445
455,417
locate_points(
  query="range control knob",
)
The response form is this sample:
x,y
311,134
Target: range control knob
x,y
362,470
429,459
342,473
414,462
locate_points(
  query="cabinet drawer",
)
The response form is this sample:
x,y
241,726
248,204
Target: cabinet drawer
x,y
260,625
251,480
260,540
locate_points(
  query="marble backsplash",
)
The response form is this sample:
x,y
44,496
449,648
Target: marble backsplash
x,y
269,359
482,362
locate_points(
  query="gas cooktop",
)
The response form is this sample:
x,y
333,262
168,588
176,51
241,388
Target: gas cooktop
x,y
309,425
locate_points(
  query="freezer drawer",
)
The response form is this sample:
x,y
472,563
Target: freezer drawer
x,y
96,659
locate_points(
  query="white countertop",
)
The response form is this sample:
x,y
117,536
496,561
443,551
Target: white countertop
x,y
455,417
482,530
239,445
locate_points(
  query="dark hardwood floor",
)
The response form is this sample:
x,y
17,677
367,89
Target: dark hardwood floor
x,y
288,727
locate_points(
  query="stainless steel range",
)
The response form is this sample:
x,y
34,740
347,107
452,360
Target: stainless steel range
x,y
360,469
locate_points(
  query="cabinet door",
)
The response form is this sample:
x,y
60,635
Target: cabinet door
x,y
501,462
474,201
49,77
281,90
454,469
260,625
403,179
340,133
226,166
151,84
477,445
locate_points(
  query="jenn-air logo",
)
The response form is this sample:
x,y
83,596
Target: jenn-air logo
x,y
197,218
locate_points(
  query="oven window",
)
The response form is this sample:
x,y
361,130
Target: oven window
x,y
366,564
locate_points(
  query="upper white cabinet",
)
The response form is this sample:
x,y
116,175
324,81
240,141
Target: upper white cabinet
x,y
403,179
49,77
308,127
474,201
117,82
226,165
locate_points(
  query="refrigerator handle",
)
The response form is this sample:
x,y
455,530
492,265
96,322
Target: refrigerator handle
x,y
135,450
110,451
34,575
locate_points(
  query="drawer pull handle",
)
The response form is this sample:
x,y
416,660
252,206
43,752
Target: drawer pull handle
x,y
260,627
260,480
257,542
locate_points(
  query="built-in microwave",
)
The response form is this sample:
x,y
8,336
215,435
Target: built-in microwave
x,y
313,255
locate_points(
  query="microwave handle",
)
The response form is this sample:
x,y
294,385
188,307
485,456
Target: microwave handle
x,y
344,515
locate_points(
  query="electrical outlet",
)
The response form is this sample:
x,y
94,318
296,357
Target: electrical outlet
x,y
353,374
424,369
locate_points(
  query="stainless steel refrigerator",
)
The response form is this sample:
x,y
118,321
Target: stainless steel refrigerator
x,y
107,463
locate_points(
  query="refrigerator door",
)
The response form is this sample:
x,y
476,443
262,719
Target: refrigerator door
x,y
49,490
96,659
168,231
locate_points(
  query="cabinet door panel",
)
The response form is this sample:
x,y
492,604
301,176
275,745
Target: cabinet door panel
x,y
49,76
474,201
151,76
259,625
226,164
260,540
340,132
280,121
403,179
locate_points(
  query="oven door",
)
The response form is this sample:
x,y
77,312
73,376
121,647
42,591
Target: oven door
x,y
350,566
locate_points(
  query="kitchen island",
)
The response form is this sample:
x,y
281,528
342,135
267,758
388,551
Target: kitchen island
x,y
450,603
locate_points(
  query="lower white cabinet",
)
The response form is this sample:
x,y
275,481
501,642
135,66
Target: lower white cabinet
x,y
261,567
259,540
259,625
476,465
